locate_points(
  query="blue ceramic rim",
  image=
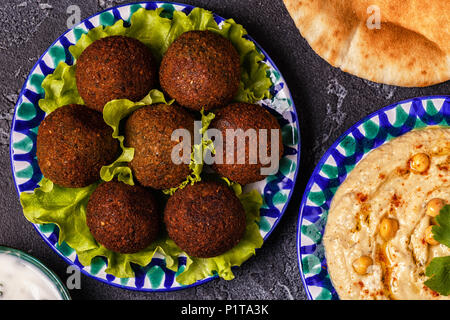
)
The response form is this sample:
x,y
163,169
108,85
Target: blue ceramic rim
x,y
52,276
85,272
298,135
322,161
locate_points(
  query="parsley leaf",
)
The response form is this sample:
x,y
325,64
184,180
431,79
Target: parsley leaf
x,y
441,232
439,272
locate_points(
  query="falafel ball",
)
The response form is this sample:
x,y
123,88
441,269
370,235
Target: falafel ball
x,y
201,69
115,67
205,219
245,116
123,218
73,144
148,130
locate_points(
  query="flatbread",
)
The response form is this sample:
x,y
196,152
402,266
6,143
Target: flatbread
x,y
411,48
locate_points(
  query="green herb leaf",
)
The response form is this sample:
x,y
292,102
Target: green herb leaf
x,y
438,272
441,231
113,112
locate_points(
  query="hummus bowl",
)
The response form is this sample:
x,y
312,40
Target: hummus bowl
x,y
364,168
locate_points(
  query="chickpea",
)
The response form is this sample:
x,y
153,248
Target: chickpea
x,y
434,206
361,264
419,163
388,228
429,237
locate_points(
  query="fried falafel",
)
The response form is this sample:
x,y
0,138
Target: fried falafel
x,y
73,144
149,130
240,166
201,69
115,67
123,218
205,219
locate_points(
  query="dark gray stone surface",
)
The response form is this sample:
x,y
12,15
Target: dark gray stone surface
x,y
328,102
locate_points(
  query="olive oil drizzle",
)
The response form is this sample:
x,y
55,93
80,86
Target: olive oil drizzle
x,y
383,261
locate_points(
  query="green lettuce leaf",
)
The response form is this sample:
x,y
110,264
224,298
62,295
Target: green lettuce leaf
x,y
113,112
255,82
159,39
197,155
60,89
119,264
94,34
64,207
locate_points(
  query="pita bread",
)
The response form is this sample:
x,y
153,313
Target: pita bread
x,y
411,47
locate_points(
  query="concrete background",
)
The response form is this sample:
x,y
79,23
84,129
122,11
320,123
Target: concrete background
x,y
328,102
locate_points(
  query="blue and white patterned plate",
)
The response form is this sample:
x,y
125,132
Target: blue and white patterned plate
x,y
276,190
332,169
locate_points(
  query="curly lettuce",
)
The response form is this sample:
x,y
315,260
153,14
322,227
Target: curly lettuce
x,y
60,89
113,112
197,155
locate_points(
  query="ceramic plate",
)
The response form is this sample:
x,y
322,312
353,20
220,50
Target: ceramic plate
x,y
276,190
366,135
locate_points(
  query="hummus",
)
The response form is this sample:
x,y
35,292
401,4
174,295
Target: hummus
x,y
384,187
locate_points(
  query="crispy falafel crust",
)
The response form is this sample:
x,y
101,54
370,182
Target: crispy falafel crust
x,y
73,144
148,130
201,69
115,67
123,218
244,116
205,219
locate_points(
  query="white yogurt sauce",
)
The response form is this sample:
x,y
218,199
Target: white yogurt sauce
x,y
20,280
